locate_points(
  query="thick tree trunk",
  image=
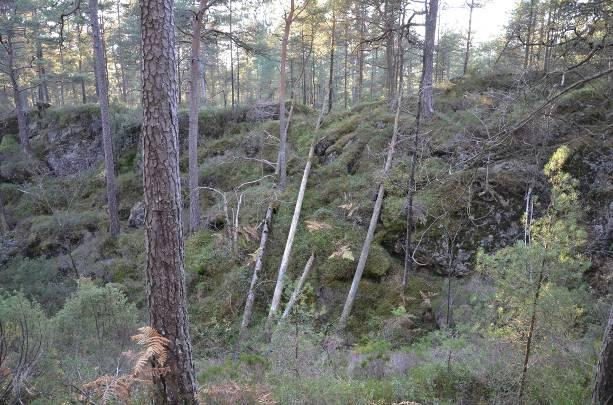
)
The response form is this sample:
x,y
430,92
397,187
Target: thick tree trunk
x,y
259,261
276,298
427,104
166,292
373,224
603,386
107,141
298,288
282,160
194,106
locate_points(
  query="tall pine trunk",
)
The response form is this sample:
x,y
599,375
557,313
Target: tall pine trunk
x,y
166,291
331,76
194,105
427,104
468,39
107,141
282,160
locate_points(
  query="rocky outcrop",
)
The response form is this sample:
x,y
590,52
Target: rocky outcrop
x,y
137,215
74,148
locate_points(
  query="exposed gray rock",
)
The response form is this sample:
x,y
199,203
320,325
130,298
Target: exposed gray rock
x,y
74,148
137,215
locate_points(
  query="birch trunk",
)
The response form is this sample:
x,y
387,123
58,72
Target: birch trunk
x,y
298,289
107,141
276,299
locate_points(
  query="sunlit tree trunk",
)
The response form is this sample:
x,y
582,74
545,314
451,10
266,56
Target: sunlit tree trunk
x,y
166,292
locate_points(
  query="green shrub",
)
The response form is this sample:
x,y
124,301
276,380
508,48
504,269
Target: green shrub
x,y
93,329
40,279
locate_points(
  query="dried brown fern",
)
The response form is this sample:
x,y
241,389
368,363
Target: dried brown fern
x,y
155,354
148,364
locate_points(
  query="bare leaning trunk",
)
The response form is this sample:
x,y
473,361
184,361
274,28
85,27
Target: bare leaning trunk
x,y
276,298
353,291
194,105
427,104
282,160
107,142
166,292
603,386
298,288
259,261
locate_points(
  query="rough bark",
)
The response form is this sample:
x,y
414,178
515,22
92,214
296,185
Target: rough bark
x,y
107,142
427,104
298,288
373,224
276,298
194,105
282,161
259,261
166,292
603,384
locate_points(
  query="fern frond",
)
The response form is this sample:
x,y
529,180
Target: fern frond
x,y
155,353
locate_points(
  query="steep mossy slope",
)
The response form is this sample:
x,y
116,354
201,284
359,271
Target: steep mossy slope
x,y
472,179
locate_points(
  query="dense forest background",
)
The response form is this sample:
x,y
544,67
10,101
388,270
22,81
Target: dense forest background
x,y
319,202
